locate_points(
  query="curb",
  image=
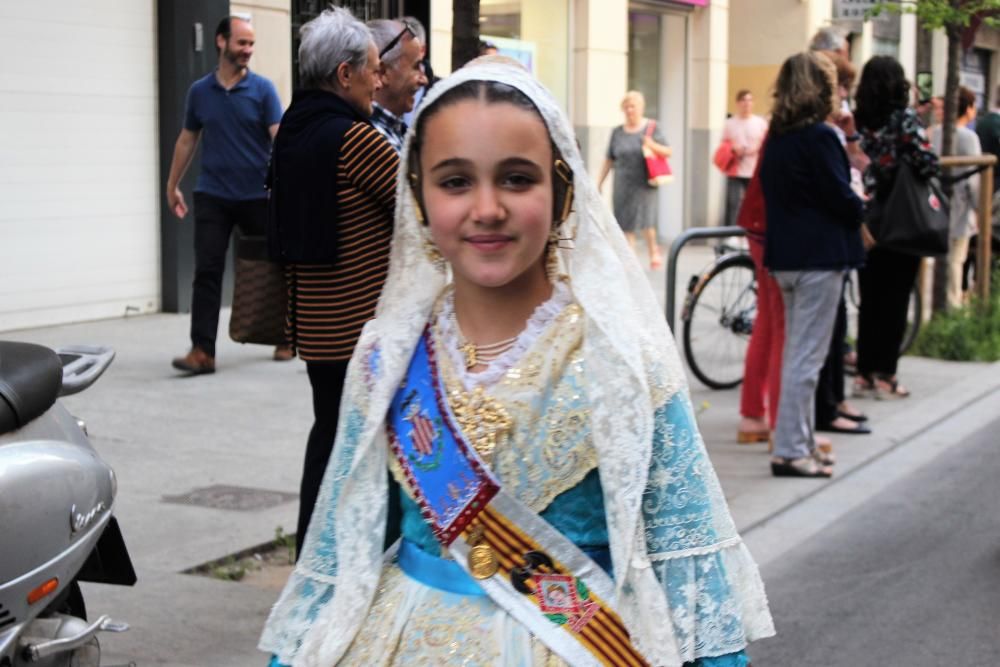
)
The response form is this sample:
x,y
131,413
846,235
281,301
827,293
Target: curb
x,y
928,429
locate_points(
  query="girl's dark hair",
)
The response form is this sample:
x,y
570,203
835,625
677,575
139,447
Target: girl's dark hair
x,y
803,93
883,89
491,92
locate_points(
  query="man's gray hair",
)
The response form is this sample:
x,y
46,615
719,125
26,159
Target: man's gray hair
x,y
417,27
386,30
332,38
828,39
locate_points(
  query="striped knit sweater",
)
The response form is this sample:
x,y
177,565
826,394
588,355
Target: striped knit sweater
x,y
329,304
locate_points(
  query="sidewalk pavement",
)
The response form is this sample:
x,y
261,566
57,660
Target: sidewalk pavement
x,y
246,426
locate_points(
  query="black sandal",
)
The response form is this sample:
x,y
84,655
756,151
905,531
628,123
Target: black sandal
x,y
860,417
801,467
858,428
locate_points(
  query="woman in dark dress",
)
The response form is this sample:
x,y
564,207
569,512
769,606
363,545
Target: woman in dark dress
x,y
890,132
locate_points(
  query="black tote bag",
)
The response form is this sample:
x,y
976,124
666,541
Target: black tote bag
x,y
913,219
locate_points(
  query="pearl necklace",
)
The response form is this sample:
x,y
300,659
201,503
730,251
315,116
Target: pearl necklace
x,y
480,354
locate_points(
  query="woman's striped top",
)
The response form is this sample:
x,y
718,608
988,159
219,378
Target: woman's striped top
x,y
329,304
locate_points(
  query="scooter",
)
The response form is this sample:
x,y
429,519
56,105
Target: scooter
x,y
56,502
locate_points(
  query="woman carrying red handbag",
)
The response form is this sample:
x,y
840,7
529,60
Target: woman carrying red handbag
x,y
634,198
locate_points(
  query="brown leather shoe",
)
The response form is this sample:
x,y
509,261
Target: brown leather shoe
x,y
195,362
283,353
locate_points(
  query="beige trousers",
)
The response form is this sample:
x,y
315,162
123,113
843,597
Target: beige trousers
x,y
958,250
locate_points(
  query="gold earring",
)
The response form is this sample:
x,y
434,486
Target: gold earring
x,y
432,253
552,256
563,171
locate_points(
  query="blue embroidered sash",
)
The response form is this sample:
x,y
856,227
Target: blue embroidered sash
x,y
537,576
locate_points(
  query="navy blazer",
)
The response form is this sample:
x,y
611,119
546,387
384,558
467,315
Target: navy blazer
x,y
813,215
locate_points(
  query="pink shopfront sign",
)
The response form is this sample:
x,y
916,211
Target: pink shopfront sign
x,y
699,3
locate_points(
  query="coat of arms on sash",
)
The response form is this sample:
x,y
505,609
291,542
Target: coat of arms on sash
x,y
425,433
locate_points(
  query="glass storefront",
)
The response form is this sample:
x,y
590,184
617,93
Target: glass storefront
x,y
536,34
644,58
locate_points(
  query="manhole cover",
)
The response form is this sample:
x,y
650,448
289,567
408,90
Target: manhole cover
x,y
224,497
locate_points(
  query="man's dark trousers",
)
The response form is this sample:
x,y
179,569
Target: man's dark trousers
x,y
214,219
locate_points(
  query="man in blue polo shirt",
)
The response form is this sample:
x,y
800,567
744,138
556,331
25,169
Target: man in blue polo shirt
x,y
235,114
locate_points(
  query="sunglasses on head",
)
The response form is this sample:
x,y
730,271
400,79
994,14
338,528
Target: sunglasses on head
x,y
395,40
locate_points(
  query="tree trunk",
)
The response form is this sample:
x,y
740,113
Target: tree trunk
x,y
939,293
464,32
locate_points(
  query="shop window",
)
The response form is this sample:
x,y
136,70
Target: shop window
x,y
885,47
534,33
644,58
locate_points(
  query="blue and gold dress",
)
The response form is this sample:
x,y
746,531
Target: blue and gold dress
x,y
428,611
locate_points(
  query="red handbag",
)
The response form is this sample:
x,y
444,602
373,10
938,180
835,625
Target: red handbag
x,y
657,168
725,159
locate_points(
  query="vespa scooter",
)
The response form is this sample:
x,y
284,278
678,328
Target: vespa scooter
x,y
56,501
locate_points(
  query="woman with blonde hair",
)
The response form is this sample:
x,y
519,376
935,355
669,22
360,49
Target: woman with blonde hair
x,y
634,199
813,237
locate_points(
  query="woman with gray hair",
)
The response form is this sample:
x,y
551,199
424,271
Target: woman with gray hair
x,y
332,183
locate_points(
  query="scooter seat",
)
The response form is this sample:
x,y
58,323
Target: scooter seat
x,y
30,379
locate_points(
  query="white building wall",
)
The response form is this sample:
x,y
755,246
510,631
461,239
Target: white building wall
x,y
79,234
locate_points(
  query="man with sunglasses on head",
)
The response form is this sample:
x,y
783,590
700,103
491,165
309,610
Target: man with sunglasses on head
x,y
401,53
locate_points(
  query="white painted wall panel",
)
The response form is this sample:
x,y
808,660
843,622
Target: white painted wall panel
x,y
79,199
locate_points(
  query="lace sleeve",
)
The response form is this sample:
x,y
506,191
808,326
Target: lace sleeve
x,y
714,590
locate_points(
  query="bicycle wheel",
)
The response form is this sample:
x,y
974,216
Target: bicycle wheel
x,y
914,318
718,319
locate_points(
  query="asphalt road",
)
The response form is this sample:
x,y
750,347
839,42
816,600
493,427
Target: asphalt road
x,y
909,579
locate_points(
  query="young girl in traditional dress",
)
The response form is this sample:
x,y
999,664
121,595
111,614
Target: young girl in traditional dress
x,y
517,414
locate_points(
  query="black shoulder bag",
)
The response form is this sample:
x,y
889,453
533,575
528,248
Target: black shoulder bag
x,y
913,218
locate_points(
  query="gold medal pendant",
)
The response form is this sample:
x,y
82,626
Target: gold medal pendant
x,y
482,561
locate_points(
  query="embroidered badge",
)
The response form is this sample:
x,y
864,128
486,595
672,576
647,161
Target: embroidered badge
x,y
425,432
564,599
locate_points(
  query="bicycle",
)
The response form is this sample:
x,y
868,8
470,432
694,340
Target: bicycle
x,y
718,315
720,309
